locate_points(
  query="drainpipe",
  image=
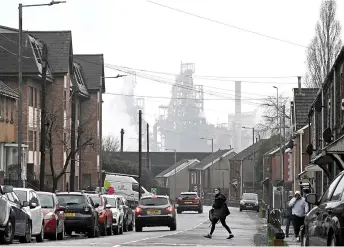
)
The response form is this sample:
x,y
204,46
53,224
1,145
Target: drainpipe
x,y
334,105
241,178
322,116
301,135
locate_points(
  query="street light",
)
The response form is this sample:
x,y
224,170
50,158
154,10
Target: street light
x,y
212,154
175,170
20,80
254,158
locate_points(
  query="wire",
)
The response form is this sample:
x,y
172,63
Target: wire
x,y
228,25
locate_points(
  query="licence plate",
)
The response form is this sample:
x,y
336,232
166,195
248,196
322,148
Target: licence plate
x,y
69,214
153,212
188,202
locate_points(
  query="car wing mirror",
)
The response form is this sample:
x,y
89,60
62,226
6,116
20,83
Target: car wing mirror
x,y
312,199
25,204
33,205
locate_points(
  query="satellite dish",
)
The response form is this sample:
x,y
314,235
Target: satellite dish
x,y
327,135
309,149
318,105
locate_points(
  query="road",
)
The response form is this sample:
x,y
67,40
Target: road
x,y
191,227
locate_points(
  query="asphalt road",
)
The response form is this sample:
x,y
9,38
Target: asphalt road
x,y
191,228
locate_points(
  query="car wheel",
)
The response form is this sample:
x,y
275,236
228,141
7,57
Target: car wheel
x,y
28,233
7,236
102,229
40,237
60,235
94,230
131,226
109,230
138,228
179,211
200,211
173,226
333,240
115,230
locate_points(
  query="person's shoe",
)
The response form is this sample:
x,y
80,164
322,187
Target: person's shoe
x,y
230,236
287,236
207,236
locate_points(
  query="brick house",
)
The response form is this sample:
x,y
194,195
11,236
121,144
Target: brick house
x,y
64,72
326,114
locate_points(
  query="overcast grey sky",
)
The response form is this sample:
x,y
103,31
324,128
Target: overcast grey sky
x,y
142,35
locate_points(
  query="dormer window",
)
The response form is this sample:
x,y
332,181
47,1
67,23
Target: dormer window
x,y
37,48
78,75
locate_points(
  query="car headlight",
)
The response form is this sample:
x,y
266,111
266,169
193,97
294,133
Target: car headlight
x,y
242,203
49,216
114,215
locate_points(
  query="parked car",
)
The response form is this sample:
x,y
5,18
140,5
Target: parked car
x,y
117,213
34,210
155,211
128,214
189,201
105,214
80,213
324,224
249,201
53,215
14,221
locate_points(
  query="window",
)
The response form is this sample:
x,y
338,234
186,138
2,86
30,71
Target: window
x,y
35,198
22,195
338,192
10,197
37,49
12,110
64,100
193,178
35,143
112,202
125,202
15,197
119,201
47,200
135,187
71,199
155,201
328,193
35,98
78,75
30,141
30,96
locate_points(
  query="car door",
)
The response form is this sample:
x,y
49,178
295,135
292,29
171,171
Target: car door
x,y
36,213
60,214
20,216
316,232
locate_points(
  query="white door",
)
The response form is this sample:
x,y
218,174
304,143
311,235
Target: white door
x,y
36,214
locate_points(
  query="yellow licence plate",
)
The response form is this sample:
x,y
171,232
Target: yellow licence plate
x,y
69,214
153,212
188,202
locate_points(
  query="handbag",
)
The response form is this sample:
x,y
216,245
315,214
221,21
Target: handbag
x,y
227,212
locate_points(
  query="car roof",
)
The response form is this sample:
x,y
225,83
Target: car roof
x,y
92,195
44,193
69,193
192,192
159,196
23,189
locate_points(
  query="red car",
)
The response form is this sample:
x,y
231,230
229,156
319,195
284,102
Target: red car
x,y
53,215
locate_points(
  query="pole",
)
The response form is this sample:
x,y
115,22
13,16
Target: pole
x,y
254,162
148,162
212,160
20,103
43,119
73,140
140,151
122,134
175,174
283,159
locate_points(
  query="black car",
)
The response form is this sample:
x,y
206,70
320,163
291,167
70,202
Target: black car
x,y
155,211
14,221
80,214
324,224
189,201
249,201
128,223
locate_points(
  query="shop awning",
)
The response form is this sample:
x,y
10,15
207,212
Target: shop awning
x,y
313,168
336,147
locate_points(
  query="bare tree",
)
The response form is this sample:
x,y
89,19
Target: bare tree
x,y
269,125
110,143
56,139
325,45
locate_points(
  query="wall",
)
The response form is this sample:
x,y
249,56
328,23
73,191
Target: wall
x,y
182,179
220,174
8,131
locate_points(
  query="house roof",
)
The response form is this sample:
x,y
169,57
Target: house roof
x,y
179,166
7,91
9,51
303,98
59,45
206,162
92,69
248,151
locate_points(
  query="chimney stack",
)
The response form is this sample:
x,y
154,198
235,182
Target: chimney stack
x,y
299,83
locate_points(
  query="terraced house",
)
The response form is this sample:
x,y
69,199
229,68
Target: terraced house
x,y
75,84
326,115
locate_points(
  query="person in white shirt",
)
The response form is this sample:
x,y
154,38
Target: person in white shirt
x,y
299,210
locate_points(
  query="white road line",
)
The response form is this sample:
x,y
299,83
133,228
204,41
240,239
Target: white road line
x,y
165,235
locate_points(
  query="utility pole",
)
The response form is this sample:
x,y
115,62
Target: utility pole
x,y
140,150
122,134
148,164
20,100
254,161
282,148
73,140
43,118
175,175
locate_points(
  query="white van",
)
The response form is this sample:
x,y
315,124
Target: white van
x,y
126,186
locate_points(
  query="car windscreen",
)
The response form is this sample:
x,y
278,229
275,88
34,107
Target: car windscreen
x,y
250,197
157,201
111,201
47,201
21,194
188,196
71,199
96,199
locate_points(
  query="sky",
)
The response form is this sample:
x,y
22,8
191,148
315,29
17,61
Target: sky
x,y
146,36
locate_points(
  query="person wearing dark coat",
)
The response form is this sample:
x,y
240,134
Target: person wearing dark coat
x,y
219,213
289,215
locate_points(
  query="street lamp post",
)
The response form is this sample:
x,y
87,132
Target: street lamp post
x,y
254,158
175,171
212,154
20,81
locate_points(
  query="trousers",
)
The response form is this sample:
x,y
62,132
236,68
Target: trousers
x,y
223,222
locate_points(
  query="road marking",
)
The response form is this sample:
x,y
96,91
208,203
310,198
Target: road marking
x,y
165,235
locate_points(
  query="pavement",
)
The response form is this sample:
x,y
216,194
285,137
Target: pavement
x,y
248,229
